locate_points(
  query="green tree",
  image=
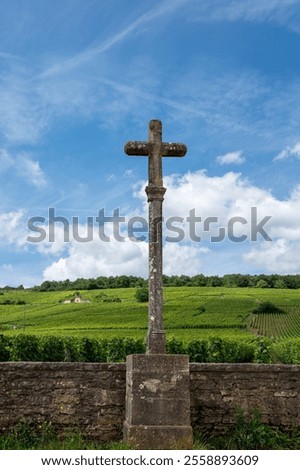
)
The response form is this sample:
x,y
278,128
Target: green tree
x,y
141,294
280,284
262,284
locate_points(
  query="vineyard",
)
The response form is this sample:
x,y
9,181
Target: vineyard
x,y
286,325
190,313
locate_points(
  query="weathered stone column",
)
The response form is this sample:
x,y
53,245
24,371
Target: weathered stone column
x,y
156,341
155,149
157,384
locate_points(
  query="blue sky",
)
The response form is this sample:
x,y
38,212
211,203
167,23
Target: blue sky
x,y
80,78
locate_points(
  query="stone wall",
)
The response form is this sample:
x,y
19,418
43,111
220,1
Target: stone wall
x,y
218,389
92,396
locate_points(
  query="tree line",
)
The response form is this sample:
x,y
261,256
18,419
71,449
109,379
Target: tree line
x,y
268,281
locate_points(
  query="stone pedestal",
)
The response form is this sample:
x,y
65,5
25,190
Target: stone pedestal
x,y
158,402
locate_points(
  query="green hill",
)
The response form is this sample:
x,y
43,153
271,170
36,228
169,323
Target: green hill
x,y
189,313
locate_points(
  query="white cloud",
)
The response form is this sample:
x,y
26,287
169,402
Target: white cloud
x,y
52,248
231,196
289,152
14,231
13,228
114,258
277,257
184,259
31,170
24,166
223,197
235,158
6,160
99,258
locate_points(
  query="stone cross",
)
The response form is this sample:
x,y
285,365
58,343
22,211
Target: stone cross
x,y
155,149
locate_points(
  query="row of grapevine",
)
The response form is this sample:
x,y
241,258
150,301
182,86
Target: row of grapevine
x,y
278,325
213,349
24,347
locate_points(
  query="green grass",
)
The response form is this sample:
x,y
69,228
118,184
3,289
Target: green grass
x,y
27,435
226,312
248,433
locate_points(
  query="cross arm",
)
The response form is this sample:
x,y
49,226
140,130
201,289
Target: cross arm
x,y
173,150
136,147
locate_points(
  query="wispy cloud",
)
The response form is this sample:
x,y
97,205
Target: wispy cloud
x,y
31,170
6,160
111,177
136,93
242,101
289,152
235,158
11,57
23,166
160,9
22,116
283,12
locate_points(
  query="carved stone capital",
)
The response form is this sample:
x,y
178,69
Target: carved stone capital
x,y
155,193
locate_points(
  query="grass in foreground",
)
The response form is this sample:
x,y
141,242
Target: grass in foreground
x,y
28,436
249,433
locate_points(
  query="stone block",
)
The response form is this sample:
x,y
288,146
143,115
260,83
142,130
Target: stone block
x,y
157,401
158,437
